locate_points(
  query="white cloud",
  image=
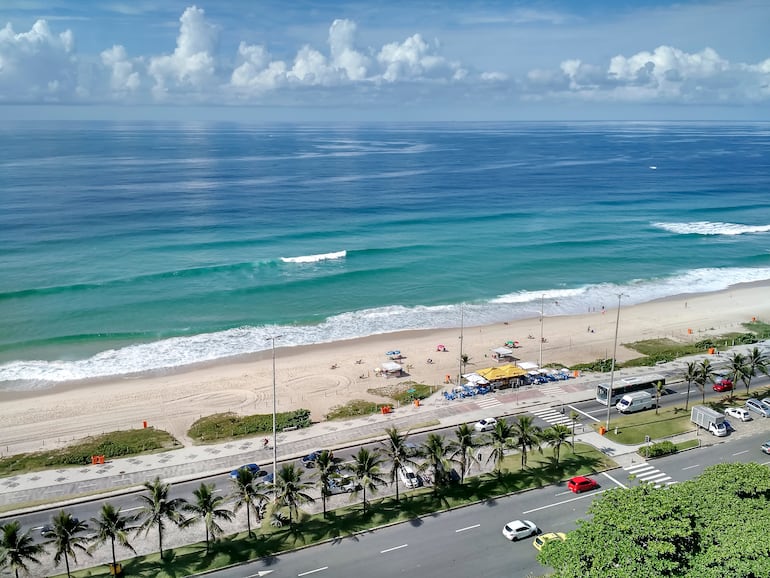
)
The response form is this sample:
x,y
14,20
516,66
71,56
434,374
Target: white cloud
x,y
343,53
37,65
192,65
123,78
415,59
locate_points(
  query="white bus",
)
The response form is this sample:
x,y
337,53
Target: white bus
x,y
627,385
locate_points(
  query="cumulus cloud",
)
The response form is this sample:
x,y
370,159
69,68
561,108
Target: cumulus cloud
x,y
123,78
415,59
192,65
37,65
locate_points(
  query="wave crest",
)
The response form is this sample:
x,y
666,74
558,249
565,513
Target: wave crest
x,y
711,228
315,258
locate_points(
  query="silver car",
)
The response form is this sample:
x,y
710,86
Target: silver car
x,y
758,406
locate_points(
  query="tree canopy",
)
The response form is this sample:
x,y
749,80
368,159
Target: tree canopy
x,y
713,526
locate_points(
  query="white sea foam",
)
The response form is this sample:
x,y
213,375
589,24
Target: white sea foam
x,y
182,351
315,258
711,228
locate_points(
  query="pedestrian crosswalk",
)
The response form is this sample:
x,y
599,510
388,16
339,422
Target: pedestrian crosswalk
x,y
644,472
488,402
553,416
554,390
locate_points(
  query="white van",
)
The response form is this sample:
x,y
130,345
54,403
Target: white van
x,y
636,401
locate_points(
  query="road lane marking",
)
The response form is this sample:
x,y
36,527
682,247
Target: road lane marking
x,y
691,467
564,493
614,480
467,528
313,571
132,509
740,453
394,548
588,415
580,497
260,573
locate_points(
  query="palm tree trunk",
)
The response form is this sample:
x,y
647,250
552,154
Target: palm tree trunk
x,y
687,399
323,499
248,519
397,488
160,542
114,561
67,564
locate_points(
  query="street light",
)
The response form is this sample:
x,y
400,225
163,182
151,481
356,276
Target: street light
x,y
460,360
540,359
612,367
272,339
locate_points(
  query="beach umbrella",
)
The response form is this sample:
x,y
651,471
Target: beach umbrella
x,y
393,352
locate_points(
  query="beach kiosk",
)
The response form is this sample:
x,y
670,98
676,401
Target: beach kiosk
x,y
392,369
503,354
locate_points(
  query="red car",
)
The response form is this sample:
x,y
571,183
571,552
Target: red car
x,y
581,484
723,384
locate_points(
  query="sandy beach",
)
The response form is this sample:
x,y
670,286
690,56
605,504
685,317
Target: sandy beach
x,y
322,376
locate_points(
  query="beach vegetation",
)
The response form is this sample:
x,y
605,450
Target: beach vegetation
x,y
367,473
290,491
115,444
224,426
245,494
556,436
500,438
658,449
404,392
326,468
208,508
526,436
686,530
462,448
354,408
348,521
395,450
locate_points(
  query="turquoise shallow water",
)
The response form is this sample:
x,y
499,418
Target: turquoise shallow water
x,y
137,247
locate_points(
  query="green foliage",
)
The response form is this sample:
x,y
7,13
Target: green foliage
x,y
658,449
111,445
600,365
354,408
686,530
224,426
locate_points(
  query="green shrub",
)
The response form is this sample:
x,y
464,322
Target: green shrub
x,y
658,449
221,426
354,408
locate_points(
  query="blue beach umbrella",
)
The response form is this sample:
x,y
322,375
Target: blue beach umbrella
x,y
393,352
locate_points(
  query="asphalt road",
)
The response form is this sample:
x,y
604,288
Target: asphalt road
x,y
468,541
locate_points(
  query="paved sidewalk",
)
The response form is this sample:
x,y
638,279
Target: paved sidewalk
x,y
120,475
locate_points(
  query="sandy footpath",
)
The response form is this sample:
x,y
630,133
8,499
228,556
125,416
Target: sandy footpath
x,y
322,376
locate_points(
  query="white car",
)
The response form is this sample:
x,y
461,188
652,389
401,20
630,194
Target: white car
x,y
408,477
739,413
519,529
342,486
486,424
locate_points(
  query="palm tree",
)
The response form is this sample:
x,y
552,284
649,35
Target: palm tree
x,y
18,548
465,359
555,436
207,507
526,435
690,376
66,536
435,450
112,525
366,470
462,448
500,439
245,493
660,387
756,363
396,452
290,490
738,369
704,375
157,507
326,467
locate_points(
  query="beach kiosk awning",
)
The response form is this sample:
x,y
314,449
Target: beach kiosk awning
x,y
392,367
502,351
475,379
503,372
528,365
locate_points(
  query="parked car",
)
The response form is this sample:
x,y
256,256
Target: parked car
x,y
408,477
486,424
766,447
340,485
310,459
253,468
759,407
519,529
543,539
723,384
740,413
581,484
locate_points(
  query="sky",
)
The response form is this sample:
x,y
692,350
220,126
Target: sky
x,y
395,60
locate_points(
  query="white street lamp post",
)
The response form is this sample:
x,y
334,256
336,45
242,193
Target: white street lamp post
x,y
272,339
612,367
540,359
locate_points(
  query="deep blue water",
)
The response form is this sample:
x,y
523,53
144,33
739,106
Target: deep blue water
x,y
136,247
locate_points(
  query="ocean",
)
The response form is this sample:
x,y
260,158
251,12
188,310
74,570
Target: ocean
x,y
143,247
